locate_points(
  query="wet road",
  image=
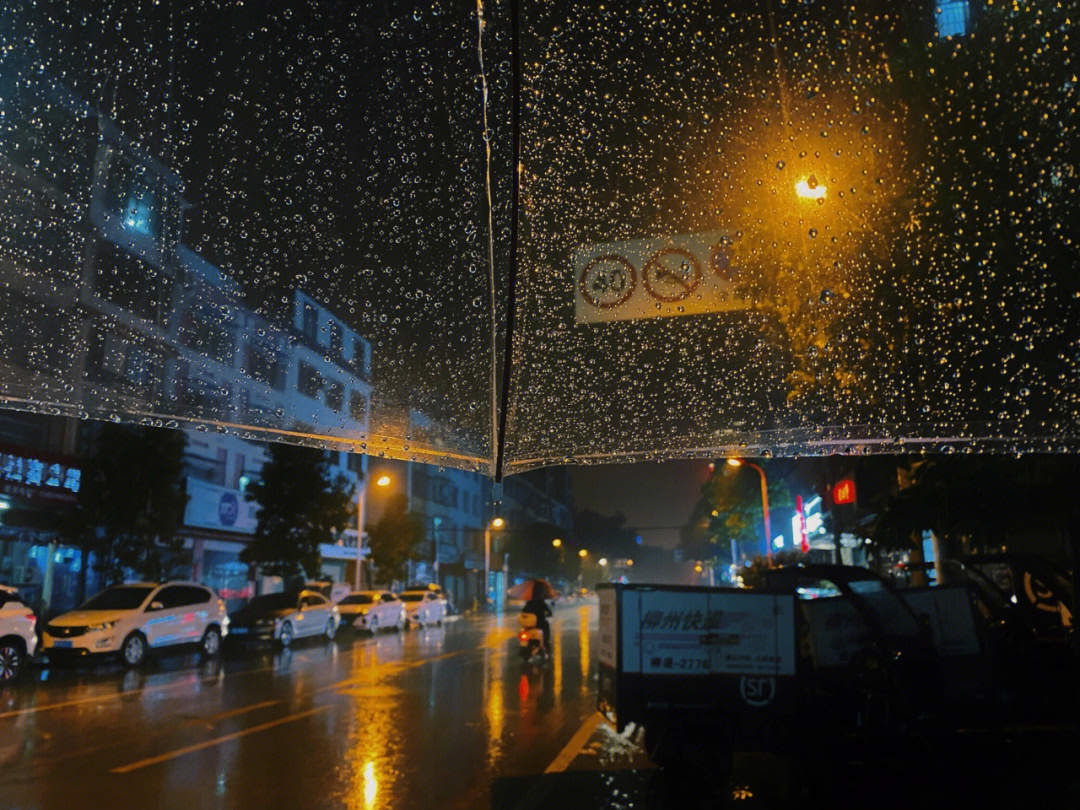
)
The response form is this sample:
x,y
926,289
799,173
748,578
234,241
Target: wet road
x,y
428,718
437,718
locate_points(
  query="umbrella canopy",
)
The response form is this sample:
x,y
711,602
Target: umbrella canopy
x,y
529,590
487,235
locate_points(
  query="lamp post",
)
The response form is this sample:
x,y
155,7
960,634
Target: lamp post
x,y
382,481
497,523
738,462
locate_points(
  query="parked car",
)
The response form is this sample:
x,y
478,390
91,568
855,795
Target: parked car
x,y
372,610
286,616
424,606
133,619
18,638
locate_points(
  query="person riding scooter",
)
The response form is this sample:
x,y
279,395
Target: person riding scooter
x,y
539,608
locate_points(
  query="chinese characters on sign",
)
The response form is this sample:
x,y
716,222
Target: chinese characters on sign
x,y
708,633
35,478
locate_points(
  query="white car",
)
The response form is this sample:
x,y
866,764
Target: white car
x,y
373,610
17,637
133,619
285,616
424,607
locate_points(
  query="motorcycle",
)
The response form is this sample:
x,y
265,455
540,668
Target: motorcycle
x,y
530,638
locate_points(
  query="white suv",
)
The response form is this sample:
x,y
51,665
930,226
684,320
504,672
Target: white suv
x,y
17,636
132,619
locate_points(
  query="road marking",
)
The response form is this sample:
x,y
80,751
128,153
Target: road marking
x,y
215,679
179,752
100,698
195,722
573,748
254,707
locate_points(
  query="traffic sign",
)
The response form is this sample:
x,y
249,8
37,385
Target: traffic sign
x,y
683,274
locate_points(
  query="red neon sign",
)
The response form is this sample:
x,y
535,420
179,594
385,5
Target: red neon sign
x,y
804,543
844,492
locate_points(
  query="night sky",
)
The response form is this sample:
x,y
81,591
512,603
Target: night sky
x,y
656,497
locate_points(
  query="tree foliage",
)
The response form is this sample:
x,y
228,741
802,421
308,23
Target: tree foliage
x,y
132,502
396,538
300,507
732,498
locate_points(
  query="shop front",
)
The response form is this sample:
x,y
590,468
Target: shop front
x,y
37,492
218,523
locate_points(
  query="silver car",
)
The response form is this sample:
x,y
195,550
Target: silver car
x,y
283,617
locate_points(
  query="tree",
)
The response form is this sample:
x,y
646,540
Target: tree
x,y
396,538
132,502
733,500
300,507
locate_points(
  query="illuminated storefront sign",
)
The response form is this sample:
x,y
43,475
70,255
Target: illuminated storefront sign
x,y
844,492
32,477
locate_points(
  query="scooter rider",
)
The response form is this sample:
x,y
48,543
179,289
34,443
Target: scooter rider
x,y
539,608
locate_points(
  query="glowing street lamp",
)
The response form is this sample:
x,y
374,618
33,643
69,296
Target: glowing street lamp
x,y
809,189
603,561
557,543
738,462
361,490
497,523
583,554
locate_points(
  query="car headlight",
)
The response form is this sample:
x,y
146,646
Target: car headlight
x,y
103,626
363,612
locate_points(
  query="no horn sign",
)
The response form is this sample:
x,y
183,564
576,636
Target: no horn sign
x,y
656,277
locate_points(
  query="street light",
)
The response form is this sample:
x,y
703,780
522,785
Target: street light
x,y
497,523
602,561
557,543
382,481
583,554
809,189
738,462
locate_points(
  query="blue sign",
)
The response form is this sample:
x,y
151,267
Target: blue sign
x,y
228,509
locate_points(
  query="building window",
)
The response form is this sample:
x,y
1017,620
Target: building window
x,y
355,462
311,323
310,382
209,338
337,341
952,18
134,197
359,358
263,365
131,284
357,406
335,396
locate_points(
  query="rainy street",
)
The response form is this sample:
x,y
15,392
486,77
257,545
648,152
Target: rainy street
x,y
425,718
439,717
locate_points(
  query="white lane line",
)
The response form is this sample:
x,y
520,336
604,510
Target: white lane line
x,y
179,752
211,681
104,697
573,748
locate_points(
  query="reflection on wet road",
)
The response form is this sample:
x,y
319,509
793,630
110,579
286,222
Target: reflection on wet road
x,y
428,718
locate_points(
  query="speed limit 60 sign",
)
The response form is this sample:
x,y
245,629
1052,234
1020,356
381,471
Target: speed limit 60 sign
x,y
656,277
